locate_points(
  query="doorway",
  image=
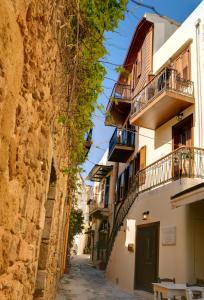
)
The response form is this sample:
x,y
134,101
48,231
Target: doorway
x,y
182,133
182,136
147,256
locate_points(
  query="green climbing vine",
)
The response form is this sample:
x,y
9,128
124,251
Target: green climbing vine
x,y
82,47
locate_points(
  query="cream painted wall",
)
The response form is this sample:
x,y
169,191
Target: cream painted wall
x,y
174,261
196,240
159,142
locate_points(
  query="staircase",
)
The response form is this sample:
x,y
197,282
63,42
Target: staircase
x,y
184,162
120,216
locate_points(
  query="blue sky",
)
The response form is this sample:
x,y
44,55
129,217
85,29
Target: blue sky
x,y
117,44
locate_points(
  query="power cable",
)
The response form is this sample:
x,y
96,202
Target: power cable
x,y
147,6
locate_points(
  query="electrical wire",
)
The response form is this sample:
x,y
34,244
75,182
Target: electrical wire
x,y
147,6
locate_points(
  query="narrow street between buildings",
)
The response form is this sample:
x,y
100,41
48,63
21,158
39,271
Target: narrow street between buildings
x,y
84,282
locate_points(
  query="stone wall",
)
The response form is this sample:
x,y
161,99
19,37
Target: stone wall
x,y
33,209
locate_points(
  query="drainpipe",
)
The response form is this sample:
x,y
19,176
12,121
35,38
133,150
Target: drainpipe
x,y
199,89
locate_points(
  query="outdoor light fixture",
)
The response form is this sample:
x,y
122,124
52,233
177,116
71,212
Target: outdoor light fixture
x,y
179,117
145,215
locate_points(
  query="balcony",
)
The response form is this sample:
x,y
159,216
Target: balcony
x,y
185,162
98,210
119,105
165,96
121,145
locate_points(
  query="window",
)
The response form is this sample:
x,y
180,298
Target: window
x,y
107,192
102,191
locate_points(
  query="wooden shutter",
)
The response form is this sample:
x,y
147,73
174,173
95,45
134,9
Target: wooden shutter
x,y
134,76
122,183
131,174
139,63
178,66
142,165
186,65
117,191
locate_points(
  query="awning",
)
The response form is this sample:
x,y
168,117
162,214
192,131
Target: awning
x,y
99,172
188,196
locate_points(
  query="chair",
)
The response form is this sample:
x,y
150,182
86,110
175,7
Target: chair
x,y
161,280
192,293
164,280
196,293
199,282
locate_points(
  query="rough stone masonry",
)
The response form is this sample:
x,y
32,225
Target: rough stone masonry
x,y
33,208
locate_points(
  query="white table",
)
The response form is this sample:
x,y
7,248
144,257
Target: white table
x,y
169,290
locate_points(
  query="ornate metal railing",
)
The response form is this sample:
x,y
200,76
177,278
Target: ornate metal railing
x,y
169,80
121,137
120,92
181,163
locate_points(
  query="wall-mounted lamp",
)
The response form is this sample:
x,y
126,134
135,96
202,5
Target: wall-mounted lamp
x,y
145,215
179,117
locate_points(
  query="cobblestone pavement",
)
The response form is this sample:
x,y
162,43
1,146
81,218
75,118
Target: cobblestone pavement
x,y
84,282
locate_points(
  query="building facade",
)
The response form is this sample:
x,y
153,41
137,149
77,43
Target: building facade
x,y
157,152
101,209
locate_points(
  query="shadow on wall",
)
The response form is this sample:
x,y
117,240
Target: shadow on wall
x,y
162,137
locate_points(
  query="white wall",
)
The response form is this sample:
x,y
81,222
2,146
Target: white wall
x,y
163,29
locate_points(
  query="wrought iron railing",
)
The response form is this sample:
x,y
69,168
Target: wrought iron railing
x,y
120,92
121,137
169,80
181,163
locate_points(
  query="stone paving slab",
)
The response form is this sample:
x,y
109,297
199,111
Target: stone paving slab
x,y
84,282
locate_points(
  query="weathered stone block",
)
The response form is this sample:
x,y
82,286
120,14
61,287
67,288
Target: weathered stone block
x,y
47,228
43,256
49,206
51,192
41,280
26,251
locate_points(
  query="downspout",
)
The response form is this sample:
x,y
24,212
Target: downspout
x,y
199,92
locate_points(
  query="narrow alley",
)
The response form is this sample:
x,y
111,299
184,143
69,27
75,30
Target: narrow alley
x,y
84,282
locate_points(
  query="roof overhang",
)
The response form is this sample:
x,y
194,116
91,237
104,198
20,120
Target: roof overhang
x,y
188,196
98,172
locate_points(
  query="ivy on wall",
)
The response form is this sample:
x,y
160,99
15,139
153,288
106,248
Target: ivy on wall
x,y
82,47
